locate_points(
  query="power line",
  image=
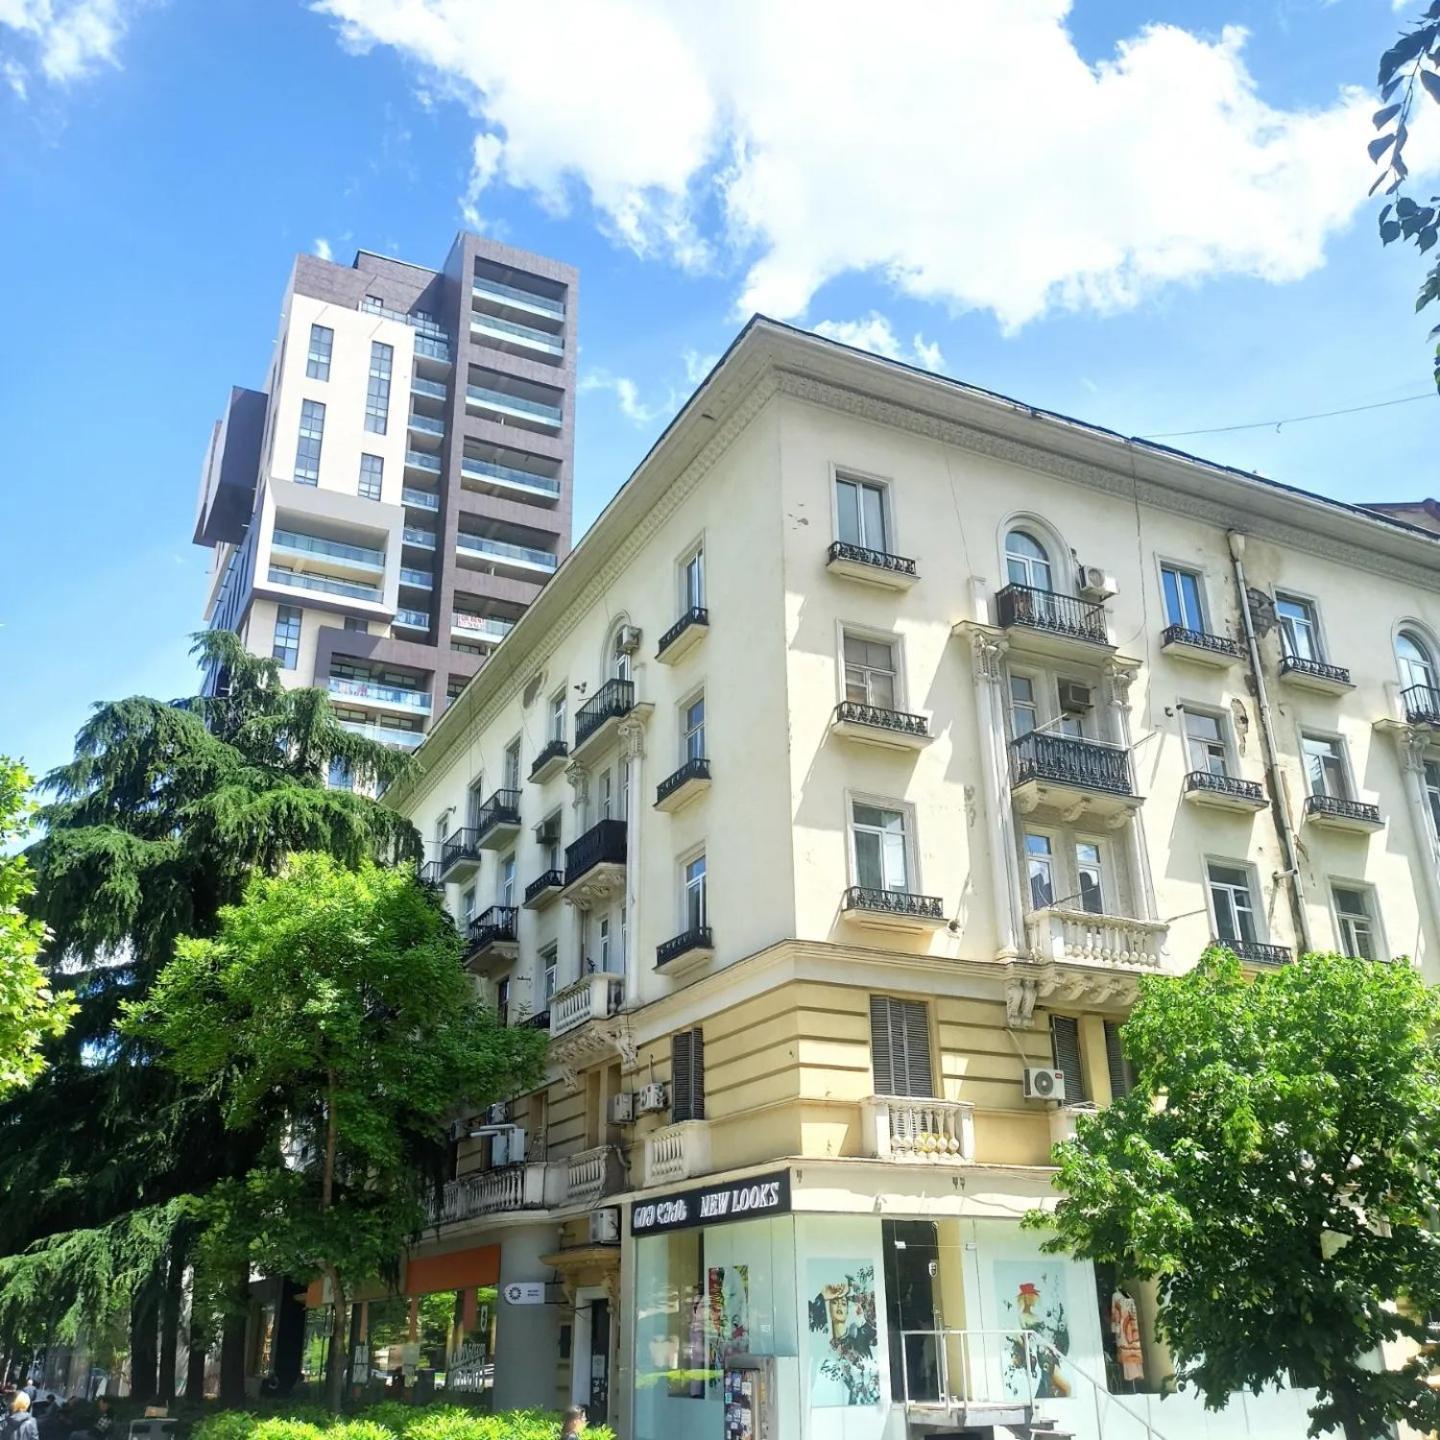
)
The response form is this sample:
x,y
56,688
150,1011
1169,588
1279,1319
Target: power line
x,y
1289,419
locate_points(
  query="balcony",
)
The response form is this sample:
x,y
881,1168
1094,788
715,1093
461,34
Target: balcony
x,y
595,997
595,863
419,460
1217,651
514,407
500,553
683,636
492,935
428,873
593,1174
357,557
685,951
383,697
870,567
540,1020
1332,812
892,909
1421,704
282,575
419,537
459,856
431,389
1256,952
481,629
417,579
543,889
872,725
510,295
677,1152
1062,773
425,424
524,337
412,619
509,478
1224,792
1315,675
429,348
927,1132
497,822
599,717
1046,622
688,783
1078,937
420,499
491,1192
550,761
384,734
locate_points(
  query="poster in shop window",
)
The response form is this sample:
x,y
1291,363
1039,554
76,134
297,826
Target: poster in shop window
x,y
844,1361
1033,1303
727,1294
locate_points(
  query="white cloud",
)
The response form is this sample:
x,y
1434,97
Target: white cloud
x,y
322,248
748,133
698,366
627,395
485,157
66,40
875,333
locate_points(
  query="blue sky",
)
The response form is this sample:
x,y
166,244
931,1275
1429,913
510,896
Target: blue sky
x,y
1149,215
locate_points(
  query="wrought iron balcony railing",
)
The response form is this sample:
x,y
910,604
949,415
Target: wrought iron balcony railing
x,y
555,750
549,880
1336,807
502,808
459,847
698,938
493,926
1201,640
863,555
695,615
696,769
1084,764
602,844
429,873
1225,785
614,698
1422,704
1315,669
1257,952
1051,611
894,902
851,712
540,1020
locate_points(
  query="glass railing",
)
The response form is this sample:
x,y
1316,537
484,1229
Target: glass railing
x,y
513,292
420,579
498,399
313,545
488,627
421,499
414,535
426,325
385,694
541,339
510,475
427,423
413,619
280,576
432,349
385,734
418,460
435,389
500,548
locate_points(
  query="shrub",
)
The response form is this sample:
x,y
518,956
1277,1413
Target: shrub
x,y
226,1425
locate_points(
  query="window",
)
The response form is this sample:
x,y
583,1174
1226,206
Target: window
x,y
339,777
1432,791
870,672
312,435
693,898
377,396
687,1075
900,1047
1205,741
512,766
1065,1052
1356,922
287,636
372,476
502,1001
860,507
1299,629
507,880
692,730
881,862
474,801
357,625
549,965
1182,597
1040,870
317,364
1024,706
1416,666
692,580
605,795
372,303
1324,766
467,907
1090,872
1027,562
548,837
557,716
442,832
603,942
1233,903
1122,1077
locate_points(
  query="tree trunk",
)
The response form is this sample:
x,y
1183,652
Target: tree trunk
x,y
289,1350
144,1317
199,1341
335,1364
170,1320
232,1339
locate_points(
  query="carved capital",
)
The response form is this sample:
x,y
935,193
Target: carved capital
x,y
1119,677
578,777
1020,997
632,739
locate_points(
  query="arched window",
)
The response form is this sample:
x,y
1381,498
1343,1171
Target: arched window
x,y
1027,562
1416,666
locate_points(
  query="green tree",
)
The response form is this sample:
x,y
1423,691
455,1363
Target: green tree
x,y
1285,1188
164,814
30,1013
332,1013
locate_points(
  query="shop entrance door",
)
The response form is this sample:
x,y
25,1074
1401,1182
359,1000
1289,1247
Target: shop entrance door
x,y
598,1409
912,1258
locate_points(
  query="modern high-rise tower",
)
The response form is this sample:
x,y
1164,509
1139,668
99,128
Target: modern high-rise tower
x,y
385,509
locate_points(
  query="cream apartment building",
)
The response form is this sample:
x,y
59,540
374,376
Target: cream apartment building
x,y
824,809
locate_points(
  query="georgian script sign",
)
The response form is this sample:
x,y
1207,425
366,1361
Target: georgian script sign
x,y
749,1199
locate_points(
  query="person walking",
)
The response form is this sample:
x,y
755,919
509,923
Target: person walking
x,y
574,1423
20,1423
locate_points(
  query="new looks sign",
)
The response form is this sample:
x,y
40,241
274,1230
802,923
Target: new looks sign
x,y
747,1199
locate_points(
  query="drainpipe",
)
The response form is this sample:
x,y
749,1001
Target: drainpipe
x,y
1289,849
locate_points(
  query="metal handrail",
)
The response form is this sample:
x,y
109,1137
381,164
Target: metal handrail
x,y
1225,785
527,478
854,712
1320,669
864,555
1422,704
1200,640
1052,611
1090,764
695,615
499,289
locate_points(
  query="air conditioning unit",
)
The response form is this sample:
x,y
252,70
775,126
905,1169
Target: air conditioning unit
x,y
508,1147
498,1113
628,639
605,1226
622,1109
1075,698
1095,584
1044,1084
653,1097
458,1130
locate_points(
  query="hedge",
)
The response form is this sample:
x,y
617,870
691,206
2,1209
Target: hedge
x,y
389,1420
